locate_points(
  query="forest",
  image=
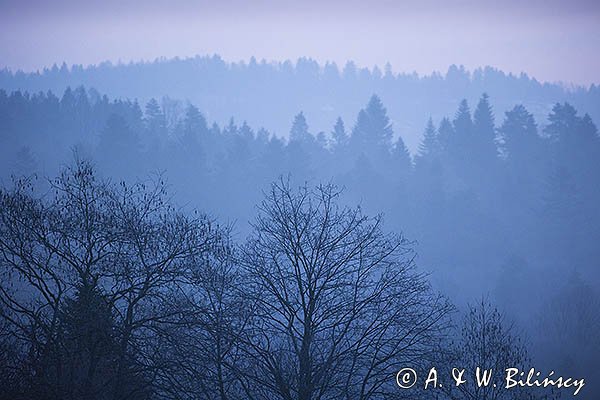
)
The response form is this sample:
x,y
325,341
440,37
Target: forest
x,y
150,250
267,93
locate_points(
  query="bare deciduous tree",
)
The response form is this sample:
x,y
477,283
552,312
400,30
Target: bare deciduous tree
x,y
108,292
490,343
88,246
340,308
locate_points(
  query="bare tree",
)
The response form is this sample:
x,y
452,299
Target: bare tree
x,y
491,344
570,321
108,292
205,349
86,246
339,306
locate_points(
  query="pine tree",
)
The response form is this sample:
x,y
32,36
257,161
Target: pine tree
x,y
374,124
67,102
563,122
193,135
155,119
429,146
463,125
483,118
521,143
299,131
445,133
300,149
460,147
156,133
428,182
575,144
349,72
588,129
89,349
231,129
484,133
116,139
340,137
401,156
89,343
194,126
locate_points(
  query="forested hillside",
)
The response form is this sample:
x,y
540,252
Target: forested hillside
x,y
299,200
269,94
495,204
489,183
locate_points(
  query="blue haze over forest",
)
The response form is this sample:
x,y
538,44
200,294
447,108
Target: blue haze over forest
x,y
298,229
268,94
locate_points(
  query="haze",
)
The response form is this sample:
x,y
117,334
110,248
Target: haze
x,y
552,41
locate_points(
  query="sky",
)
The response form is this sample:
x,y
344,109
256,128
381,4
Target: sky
x,y
550,40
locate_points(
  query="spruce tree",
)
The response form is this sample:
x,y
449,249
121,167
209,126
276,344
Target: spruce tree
x,y
519,135
401,156
89,345
445,133
194,126
459,138
463,125
340,137
429,146
372,133
299,131
155,119
563,122
484,133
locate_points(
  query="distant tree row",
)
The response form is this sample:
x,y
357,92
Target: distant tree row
x,y
268,93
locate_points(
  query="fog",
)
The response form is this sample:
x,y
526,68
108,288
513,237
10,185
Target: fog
x,y
300,224
551,40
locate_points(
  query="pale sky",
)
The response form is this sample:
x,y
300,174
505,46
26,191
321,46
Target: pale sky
x,y
550,40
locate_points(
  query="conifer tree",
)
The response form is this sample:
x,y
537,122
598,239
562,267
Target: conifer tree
x,y
194,126
429,146
484,133
155,119
463,125
563,122
299,131
523,151
89,347
519,136
117,141
445,133
401,156
373,127
340,137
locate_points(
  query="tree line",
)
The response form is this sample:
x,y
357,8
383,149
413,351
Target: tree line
x,y
267,93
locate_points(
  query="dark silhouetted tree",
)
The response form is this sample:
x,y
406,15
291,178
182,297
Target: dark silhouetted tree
x,y
315,335
487,342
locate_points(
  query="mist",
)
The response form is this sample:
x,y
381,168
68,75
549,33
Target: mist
x,y
256,204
